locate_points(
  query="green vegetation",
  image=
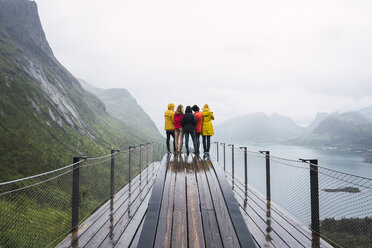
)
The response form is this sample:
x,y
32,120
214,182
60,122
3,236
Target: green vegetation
x,y
41,215
47,118
353,233
31,140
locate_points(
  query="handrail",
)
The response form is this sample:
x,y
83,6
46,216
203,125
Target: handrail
x,y
321,198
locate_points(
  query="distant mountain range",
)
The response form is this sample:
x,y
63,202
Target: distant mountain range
x,y
350,130
46,116
258,128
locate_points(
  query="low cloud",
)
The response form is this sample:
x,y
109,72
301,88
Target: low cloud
x,y
291,57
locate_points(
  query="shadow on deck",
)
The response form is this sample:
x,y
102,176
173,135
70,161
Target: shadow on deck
x,y
186,201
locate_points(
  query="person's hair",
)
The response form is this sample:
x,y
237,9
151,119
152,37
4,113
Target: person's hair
x,y
188,109
179,109
195,108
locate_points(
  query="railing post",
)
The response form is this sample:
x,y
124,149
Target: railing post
x,y
153,158
224,157
232,164
112,181
75,191
217,151
245,171
314,195
147,162
157,151
141,145
268,186
131,148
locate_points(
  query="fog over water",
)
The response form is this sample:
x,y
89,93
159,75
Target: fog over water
x,y
293,57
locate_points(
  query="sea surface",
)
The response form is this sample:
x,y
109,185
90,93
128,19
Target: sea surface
x,y
344,189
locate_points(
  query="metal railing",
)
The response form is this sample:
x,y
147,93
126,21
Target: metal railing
x,y
40,210
334,205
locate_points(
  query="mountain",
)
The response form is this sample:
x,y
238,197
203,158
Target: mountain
x,y
346,130
318,119
258,128
120,104
46,117
367,113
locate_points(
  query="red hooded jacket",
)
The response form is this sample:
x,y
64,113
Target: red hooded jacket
x,y
199,122
177,121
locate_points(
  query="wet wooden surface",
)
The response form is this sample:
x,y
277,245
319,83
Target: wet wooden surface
x,y
119,220
193,212
270,226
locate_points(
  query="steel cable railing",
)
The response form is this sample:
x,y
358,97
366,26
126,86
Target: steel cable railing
x,y
333,204
37,211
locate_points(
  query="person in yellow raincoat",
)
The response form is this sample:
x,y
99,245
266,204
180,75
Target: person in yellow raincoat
x,y
207,128
169,125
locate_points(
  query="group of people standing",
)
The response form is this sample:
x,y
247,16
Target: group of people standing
x,y
180,123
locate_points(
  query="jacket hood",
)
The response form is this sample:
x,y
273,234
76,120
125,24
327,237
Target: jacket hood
x,y
171,106
206,107
188,109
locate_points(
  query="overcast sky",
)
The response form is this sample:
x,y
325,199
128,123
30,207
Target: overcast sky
x,y
292,57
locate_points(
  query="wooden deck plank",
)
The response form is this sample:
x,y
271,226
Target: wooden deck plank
x,y
118,218
148,233
260,222
195,228
97,219
135,240
273,230
227,231
285,223
179,227
93,229
288,225
121,225
164,231
211,232
242,232
257,234
128,236
299,232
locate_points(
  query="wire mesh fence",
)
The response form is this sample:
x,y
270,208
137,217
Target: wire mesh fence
x,y
344,200
37,211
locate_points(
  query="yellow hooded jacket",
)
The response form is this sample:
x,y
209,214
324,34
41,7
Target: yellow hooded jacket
x,y
207,128
169,117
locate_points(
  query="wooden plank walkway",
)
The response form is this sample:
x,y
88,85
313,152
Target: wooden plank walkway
x,y
269,225
194,208
189,202
118,222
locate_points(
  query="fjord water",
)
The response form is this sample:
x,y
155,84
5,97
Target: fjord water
x,y
290,180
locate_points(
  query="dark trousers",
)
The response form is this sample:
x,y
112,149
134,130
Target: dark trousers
x,y
187,140
197,137
206,143
170,133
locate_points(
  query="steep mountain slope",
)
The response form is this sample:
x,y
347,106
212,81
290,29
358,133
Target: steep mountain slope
x,y
258,128
46,117
318,119
120,104
346,130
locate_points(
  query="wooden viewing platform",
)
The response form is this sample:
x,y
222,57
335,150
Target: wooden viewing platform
x,y
186,201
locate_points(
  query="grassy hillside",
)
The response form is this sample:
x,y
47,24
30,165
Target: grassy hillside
x,y
46,117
